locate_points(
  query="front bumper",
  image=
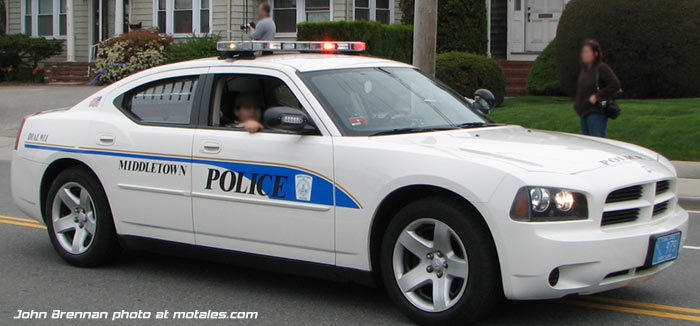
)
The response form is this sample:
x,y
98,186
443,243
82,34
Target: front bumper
x,y
590,256
588,262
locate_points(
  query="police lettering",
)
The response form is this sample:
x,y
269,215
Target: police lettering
x,y
246,183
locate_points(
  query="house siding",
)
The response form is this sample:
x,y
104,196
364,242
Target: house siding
x,y
142,11
341,10
81,23
14,14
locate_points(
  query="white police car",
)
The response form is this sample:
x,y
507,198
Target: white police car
x,y
366,169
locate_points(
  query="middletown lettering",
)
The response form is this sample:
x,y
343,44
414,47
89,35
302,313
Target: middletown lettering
x,y
153,167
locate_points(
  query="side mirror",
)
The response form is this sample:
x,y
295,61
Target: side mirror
x,y
484,101
285,118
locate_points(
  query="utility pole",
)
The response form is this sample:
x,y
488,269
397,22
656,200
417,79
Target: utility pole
x,y
425,35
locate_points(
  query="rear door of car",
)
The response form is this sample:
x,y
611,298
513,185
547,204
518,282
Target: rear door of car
x,y
144,151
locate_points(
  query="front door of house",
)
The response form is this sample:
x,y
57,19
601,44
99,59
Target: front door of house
x,y
542,17
532,24
103,18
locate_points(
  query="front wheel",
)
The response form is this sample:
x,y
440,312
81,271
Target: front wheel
x,y
439,264
79,219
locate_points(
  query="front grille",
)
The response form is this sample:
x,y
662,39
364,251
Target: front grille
x,y
662,186
660,208
621,216
625,194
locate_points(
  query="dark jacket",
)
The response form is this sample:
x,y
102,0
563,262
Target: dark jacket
x,y
609,85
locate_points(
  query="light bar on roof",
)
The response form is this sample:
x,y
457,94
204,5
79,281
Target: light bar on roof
x,y
298,46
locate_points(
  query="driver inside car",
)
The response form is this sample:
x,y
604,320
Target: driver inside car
x,y
248,113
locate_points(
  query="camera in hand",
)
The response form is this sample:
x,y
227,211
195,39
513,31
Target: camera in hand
x,y
251,24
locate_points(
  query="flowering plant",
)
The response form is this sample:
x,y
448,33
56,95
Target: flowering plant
x,y
131,52
38,69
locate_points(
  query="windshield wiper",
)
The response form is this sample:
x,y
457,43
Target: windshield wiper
x,y
468,125
409,130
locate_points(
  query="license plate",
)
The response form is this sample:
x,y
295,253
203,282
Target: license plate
x,y
666,248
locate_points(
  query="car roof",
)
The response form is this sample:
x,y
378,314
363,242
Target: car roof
x,y
302,62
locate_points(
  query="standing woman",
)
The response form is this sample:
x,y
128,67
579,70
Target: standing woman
x,y
596,83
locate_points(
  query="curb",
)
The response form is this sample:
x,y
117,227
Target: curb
x,y
687,169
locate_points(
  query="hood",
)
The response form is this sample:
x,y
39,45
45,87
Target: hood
x,y
531,150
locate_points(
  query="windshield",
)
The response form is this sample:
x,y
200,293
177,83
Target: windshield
x,y
371,101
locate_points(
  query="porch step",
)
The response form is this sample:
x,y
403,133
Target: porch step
x,y
67,72
516,76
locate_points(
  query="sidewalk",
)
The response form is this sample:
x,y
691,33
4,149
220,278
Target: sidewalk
x,y
688,184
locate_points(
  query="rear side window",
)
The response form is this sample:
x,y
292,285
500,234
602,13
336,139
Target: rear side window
x,y
168,101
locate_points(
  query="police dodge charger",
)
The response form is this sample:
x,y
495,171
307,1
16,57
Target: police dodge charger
x,y
364,168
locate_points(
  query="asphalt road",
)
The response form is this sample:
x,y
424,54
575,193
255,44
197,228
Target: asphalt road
x,y
33,277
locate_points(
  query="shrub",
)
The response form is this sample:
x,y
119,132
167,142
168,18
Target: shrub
x,y
543,78
386,41
20,54
651,45
461,24
20,49
466,72
194,47
131,52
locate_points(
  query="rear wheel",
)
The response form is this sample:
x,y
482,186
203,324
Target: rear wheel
x,y
79,219
439,264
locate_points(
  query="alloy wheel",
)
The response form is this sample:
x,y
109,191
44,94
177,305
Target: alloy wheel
x,y
430,265
73,217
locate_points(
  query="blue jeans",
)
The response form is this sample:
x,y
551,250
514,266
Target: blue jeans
x,y
594,124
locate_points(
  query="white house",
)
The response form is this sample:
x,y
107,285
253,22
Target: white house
x,y
85,23
518,30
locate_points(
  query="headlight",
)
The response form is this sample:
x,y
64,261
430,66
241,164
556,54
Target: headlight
x,y
540,204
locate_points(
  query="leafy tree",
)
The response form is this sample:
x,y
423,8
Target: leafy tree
x,y
461,24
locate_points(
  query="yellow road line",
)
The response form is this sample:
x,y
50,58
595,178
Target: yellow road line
x,y
38,226
21,219
643,304
637,311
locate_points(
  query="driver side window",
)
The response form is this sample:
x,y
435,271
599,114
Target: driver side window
x,y
237,98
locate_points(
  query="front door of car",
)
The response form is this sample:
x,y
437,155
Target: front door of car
x,y
270,192
144,150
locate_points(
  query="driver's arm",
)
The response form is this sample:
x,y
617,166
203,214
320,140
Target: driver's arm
x,y
251,126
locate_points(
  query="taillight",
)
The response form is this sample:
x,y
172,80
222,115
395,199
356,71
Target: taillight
x,y
19,132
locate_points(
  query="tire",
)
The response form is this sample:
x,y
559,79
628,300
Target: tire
x,y
462,262
76,205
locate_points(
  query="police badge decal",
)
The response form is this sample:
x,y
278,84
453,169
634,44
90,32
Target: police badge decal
x,y
303,183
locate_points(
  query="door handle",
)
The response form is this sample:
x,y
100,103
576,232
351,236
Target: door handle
x,y
210,147
105,140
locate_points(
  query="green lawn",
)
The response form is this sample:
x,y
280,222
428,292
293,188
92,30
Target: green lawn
x,y
670,127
